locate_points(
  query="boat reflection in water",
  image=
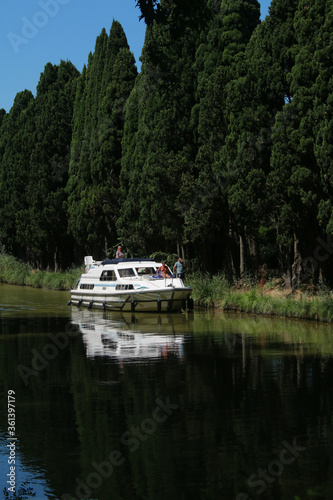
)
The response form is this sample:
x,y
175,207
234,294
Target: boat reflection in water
x,y
132,338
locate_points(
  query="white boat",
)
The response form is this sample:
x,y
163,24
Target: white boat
x,y
129,285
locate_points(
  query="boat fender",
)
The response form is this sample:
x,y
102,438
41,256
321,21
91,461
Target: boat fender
x,y
69,302
159,304
104,306
132,306
79,303
91,303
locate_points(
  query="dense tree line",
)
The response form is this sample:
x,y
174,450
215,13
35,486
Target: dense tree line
x,y
220,148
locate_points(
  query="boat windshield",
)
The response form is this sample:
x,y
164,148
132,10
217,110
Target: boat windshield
x,y
145,270
108,276
126,273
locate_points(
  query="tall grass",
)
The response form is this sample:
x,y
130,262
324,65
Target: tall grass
x,y
208,291
12,271
16,272
54,280
217,291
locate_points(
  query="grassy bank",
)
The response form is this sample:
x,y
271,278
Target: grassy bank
x,y
15,272
208,292
270,299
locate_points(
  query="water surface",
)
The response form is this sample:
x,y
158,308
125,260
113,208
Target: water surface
x,y
201,406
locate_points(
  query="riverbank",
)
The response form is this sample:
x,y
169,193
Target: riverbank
x,y
269,299
15,272
209,292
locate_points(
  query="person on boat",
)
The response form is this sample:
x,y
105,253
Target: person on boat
x,y
119,253
179,267
163,271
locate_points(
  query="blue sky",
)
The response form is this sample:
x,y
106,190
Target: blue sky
x,y
36,32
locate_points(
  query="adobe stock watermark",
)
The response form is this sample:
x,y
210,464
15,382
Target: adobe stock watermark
x,y
131,439
275,468
41,359
31,27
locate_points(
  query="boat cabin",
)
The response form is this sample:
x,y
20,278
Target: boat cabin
x,y
120,270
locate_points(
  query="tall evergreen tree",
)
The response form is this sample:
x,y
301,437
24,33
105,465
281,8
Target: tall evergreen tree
x,y
16,145
219,63
2,115
295,160
103,89
254,99
323,126
43,222
161,142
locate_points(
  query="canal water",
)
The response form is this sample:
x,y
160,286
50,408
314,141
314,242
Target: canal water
x,y
161,407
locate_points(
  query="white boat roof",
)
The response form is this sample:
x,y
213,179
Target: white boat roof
x,y
121,263
123,260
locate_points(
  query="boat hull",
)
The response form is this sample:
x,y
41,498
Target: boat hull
x,y
137,301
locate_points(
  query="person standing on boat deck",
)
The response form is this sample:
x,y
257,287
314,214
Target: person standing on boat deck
x,y
179,266
119,253
163,271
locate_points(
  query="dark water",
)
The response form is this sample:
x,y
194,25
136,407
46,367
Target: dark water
x,y
164,407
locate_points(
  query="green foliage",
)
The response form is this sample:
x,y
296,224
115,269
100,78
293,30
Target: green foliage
x,y
220,148
15,149
12,271
169,259
208,290
98,122
218,291
16,272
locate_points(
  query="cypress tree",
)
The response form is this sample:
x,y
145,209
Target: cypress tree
x,y
161,142
296,162
15,150
96,148
43,228
256,97
2,115
219,63
323,120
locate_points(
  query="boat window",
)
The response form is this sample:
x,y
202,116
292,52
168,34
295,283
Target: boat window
x,y
124,287
126,273
145,270
85,286
108,276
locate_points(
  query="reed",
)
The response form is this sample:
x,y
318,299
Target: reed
x,y
16,272
208,291
12,271
218,292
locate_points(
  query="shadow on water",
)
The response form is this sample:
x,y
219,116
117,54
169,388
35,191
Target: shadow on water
x,y
205,406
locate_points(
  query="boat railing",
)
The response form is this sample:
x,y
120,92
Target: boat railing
x,y
165,280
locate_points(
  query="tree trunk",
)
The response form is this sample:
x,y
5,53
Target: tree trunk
x,y
232,257
296,267
55,261
106,251
253,250
183,252
241,256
